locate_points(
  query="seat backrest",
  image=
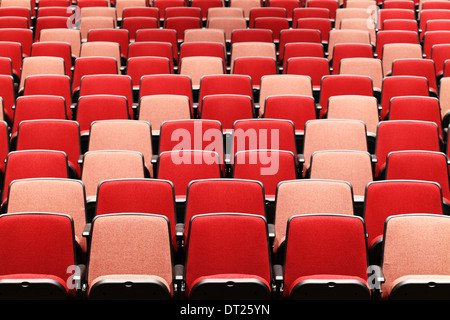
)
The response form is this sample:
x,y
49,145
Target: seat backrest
x,y
396,135
133,135
324,244
148,252
407,253
245,253
309,196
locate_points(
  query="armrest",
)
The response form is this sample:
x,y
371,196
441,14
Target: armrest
x,y
278,277
179,234
178,272
271,228
87,230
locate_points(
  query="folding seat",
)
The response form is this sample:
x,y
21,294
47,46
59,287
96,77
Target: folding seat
x,y
153,48
150,278
14,22
308,196
414,272
102,49
198,66
417,67
436,25
433,38
8,94
40,65
54,49
151,12
37,107
289,5
158,108
246,5
416,108
91,65
160,35
13,51
116,84
343,84
23,36
161,5
270,167
227,108
72,36
224,195
252,49
191,134
324,25
314,67
385,14
180,24
275,12
400,24
282,84
399,4
97,107
152,196
397,51
319,248
356,107
275,24
91,23
182,11
209,49
428,15
53,3
106,165
96,11
122,4
94,3
395,86
263,134
205,5
352,166
348,36
332,134
33,164
132,135
121,36
255,67
370,67
349,50
205,34
251,35
224,84
225,12
397,135
166,84
386,198
367,25
297,35
310,12
297,108
360,4
433,5
228,24
236,264
20,4
394,36
350,13
332,6
182,166
16,12
38,262
420,165
137,67
132,24
51,195
52,134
